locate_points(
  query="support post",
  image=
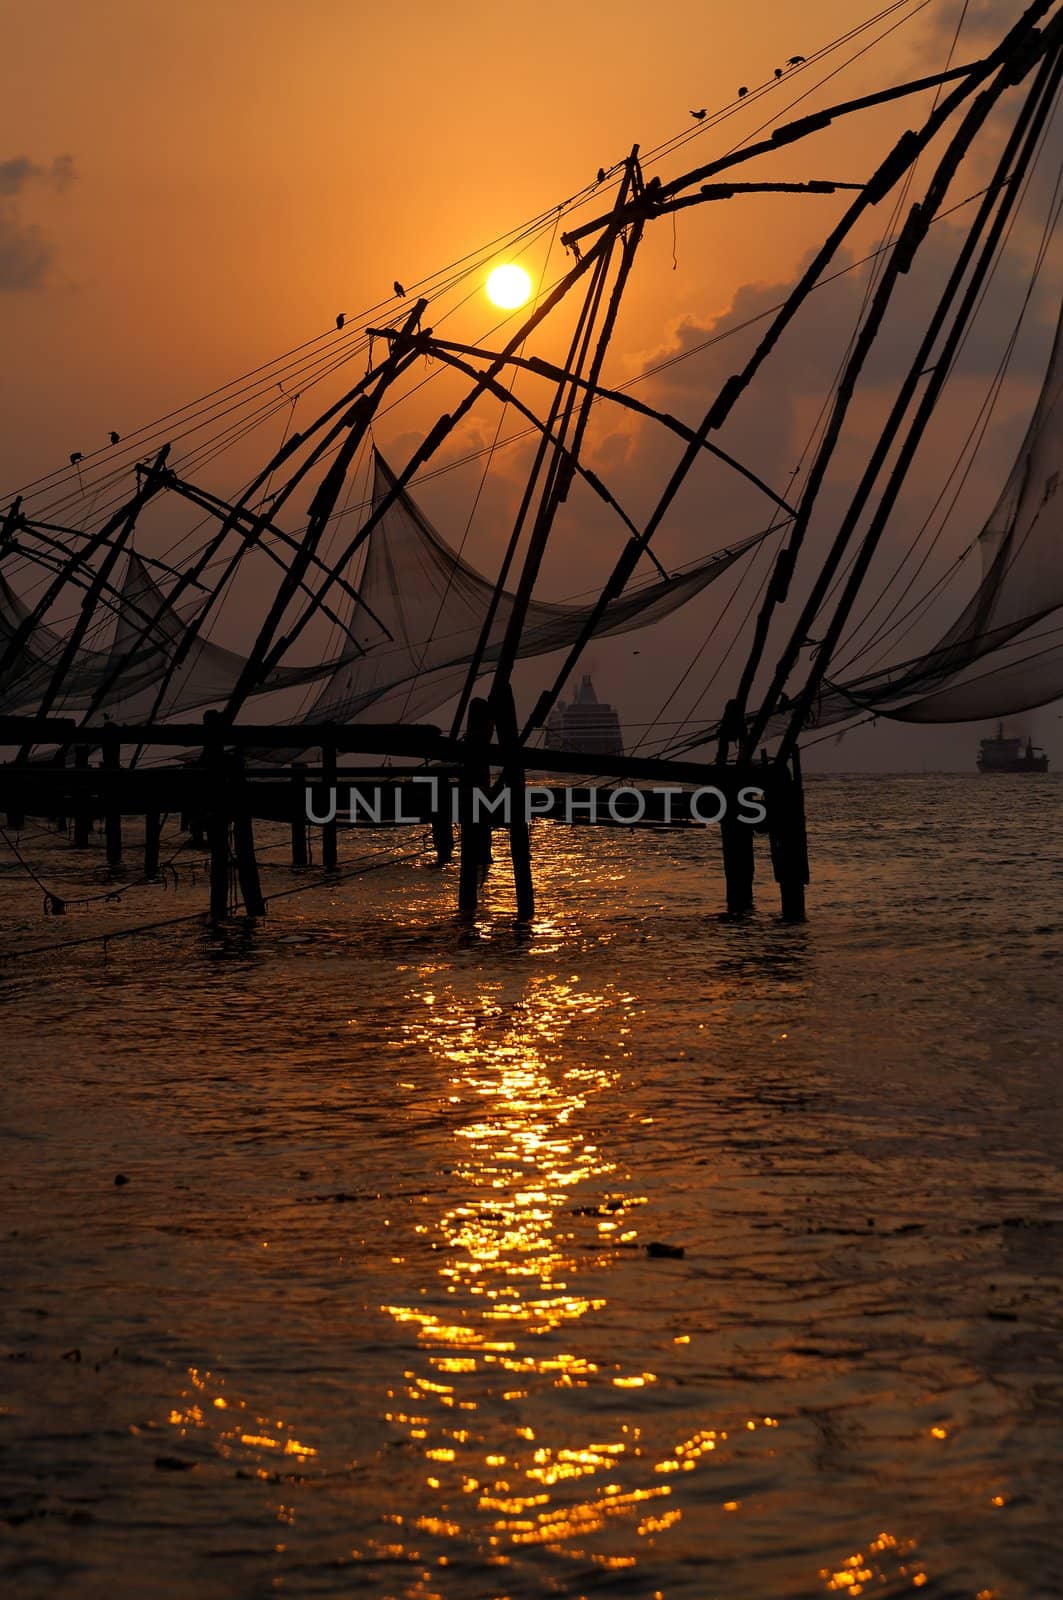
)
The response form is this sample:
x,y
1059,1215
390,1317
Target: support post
x,y
329,830
442,823
82,808
217,816
59,817
475,830
513,780
152,837
300,850
739,862
789,840
112,822
244,847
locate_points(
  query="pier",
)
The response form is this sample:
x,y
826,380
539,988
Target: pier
x,y
219,795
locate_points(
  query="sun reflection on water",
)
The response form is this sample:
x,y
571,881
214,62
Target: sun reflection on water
x,y
515,1275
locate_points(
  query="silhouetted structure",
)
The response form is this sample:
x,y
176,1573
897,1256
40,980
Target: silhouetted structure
x,y
585,723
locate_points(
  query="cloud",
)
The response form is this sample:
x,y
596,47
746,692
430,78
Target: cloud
x,y
978,20
18,171
26,252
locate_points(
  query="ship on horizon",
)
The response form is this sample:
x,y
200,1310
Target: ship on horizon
x,y
584,723
1000,754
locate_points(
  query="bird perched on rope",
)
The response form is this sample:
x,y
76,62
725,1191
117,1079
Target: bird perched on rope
x,y
341,319
778,72
743,91
75,457
601,175
796,61
399,290
115,438
698,115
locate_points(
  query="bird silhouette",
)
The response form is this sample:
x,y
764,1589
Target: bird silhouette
x,y
601,174
399,290
341,319
796,61
697,115
75,457
114,437
743,91
778,72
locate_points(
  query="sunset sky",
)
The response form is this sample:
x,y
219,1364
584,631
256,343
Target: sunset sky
x,y
185,192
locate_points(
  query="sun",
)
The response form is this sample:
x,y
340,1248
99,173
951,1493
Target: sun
x,y
508,287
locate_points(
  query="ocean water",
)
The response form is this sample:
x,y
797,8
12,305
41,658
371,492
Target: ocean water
x,y
373,1313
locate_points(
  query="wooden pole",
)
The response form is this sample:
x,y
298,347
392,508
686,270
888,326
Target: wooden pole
x,y
152,837
300,850
112,823
475,849
739,862
442,823
789,839
244,848
82,808
217,816
513,782
329,831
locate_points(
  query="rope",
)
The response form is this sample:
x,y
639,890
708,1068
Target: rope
x,y
202,916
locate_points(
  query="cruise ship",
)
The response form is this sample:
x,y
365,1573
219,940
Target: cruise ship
x,y
585,723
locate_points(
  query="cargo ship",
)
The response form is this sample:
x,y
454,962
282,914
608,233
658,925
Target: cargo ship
x,y
999,754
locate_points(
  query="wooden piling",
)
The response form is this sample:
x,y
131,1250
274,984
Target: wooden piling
x,y
59,817
513,781
329,831
112,818
152,838
217,816
300,843
475,777
442,823
244,846
739,862
789,839
82,805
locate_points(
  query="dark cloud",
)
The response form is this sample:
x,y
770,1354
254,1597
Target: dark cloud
x,y
978,20
18,171
26,253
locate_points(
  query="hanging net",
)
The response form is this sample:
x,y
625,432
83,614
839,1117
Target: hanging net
x,y
1004,653
435,607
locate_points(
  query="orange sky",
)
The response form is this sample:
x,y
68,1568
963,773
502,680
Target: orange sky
x,y
243,172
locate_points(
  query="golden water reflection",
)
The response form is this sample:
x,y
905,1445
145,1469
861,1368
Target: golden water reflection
x,y
504,1309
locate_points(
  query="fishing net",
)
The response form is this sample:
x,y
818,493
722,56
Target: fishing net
x,y
435,606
